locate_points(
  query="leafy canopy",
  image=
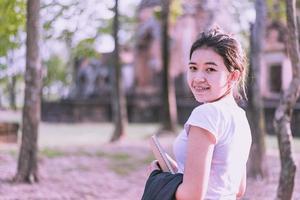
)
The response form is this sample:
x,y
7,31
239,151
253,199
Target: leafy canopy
x,y
12,19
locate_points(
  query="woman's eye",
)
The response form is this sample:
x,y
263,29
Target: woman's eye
x,y
192,68
210,69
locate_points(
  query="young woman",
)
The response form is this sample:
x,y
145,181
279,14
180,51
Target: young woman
x,y
212,150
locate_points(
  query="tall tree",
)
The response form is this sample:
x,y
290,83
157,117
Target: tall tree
x,y
283,113
27,164
168,91
257,162
119,100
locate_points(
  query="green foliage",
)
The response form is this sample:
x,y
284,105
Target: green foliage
x,y
11,21
276,10
157,12
148,159
2,66
123,163
120,156
56,71
175,10
123,168
106,28
52,153
85,48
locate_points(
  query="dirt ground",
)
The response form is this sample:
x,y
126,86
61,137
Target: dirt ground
x,y
75,162
109,172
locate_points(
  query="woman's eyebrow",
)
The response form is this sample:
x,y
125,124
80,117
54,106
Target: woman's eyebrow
x,y
211,63
192,63
207,63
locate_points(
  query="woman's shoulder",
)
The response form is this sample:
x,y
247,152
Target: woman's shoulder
x,y
219,108
207,109
207,116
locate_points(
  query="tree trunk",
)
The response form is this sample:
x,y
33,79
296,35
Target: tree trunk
x,y
257,165
12,92
284,111
11,83
119,107
27,164
168,92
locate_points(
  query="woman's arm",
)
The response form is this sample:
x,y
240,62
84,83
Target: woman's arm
x,y
242,188
197,167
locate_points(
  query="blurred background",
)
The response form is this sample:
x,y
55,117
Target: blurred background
x,y
80,91
77,55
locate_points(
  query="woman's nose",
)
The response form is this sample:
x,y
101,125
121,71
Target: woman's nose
x,y
199,78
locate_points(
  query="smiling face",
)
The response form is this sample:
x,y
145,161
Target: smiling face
x,y
208,77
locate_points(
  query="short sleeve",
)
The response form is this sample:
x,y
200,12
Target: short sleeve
x,y
208,117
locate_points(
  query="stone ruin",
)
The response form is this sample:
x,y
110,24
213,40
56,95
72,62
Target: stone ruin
x,y
92,79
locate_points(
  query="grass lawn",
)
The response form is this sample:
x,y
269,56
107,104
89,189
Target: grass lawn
x,y
89,133
67,134
99,133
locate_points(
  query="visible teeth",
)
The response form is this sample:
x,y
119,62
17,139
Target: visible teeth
x,y
201,88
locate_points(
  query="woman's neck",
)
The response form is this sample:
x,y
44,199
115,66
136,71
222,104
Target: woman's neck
x,y
228,93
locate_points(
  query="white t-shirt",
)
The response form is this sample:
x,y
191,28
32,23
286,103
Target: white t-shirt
x,y
229,125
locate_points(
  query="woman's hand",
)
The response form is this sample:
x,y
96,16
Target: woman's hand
x,y
153,166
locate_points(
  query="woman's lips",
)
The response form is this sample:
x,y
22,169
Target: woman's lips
x,y
200,89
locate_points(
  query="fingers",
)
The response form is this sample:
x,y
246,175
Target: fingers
x,y
153,166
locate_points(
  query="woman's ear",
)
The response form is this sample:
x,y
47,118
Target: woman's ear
x,y
235,75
